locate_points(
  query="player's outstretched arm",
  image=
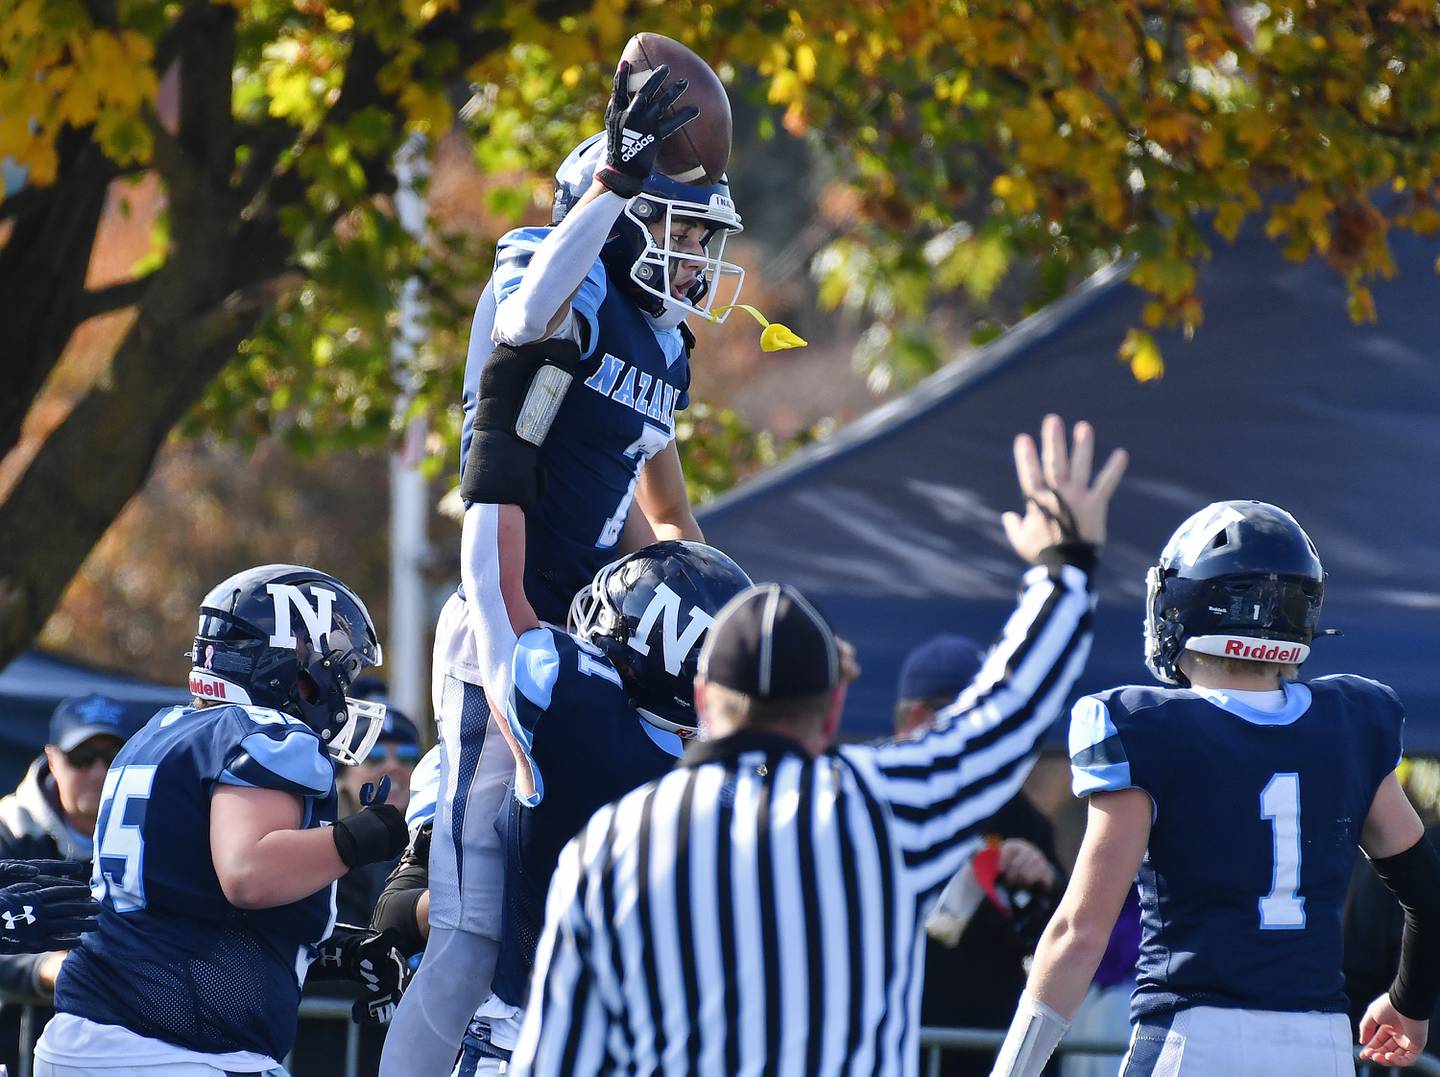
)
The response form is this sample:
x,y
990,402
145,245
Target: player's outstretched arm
x,y
635,127
1116,834
1396,1024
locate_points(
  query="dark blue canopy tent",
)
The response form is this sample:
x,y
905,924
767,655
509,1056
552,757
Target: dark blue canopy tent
x,y
893,525
35,682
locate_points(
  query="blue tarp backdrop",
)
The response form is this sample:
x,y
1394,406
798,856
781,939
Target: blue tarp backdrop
x,y
893,525
34,683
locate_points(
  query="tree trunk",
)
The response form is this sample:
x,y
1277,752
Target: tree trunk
x,y
42,276
101,455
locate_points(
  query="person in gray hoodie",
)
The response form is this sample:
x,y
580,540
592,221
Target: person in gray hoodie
x,y
51,815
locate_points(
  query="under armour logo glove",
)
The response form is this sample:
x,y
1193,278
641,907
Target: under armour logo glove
x,y
44,905
369,959
635,127
374,834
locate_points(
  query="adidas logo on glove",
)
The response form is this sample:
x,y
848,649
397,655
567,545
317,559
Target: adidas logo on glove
x,y
632,142
26,917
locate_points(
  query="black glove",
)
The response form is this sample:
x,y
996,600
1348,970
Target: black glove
x,y
42,911
635,127
375,833
397,907
369,959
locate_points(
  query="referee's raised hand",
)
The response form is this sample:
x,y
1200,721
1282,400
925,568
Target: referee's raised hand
x,y
1062,505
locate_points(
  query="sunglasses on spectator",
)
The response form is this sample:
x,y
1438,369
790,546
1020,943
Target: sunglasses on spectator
x,y
399,753
85,756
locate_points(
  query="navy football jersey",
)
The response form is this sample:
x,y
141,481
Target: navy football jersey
x,y
1257,820
586,745
619,411
171,958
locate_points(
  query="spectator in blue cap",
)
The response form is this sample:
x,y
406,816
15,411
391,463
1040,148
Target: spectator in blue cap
x,y
931,677
51,815
970,972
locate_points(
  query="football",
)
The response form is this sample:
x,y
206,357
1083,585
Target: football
x,y
700,151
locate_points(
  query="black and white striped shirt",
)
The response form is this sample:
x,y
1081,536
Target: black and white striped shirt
x,y
758,911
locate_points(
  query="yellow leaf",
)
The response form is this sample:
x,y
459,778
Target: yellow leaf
x,y
1153,50
785,88
1228,220
1140,351
805,63
1361,304
429,112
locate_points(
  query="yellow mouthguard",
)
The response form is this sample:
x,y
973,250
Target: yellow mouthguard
x,y
774,337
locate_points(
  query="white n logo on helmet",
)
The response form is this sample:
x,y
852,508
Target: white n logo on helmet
x,y
677,645
287,597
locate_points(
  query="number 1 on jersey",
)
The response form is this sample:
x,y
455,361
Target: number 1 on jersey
x,y
1282,908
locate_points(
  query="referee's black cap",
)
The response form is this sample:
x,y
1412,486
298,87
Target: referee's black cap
x,y
769,642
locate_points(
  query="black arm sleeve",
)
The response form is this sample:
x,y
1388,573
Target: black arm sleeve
x,y
396,907
521,389
1414,878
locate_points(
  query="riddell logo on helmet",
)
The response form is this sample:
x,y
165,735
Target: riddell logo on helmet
x,y
1235,648
207,687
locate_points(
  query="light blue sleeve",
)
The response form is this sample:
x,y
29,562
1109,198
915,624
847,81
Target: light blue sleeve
x,y
424,789
289,758
1098,763
586,305
536,669
512,258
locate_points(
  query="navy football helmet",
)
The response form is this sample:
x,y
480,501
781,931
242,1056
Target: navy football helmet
x,y
1239,579
648,613
293,639
643,266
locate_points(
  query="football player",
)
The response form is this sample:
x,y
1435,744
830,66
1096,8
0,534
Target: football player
x,y
1240,795
590,713
581,326
217,847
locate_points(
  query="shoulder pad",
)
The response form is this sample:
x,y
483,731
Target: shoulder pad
x,y
1098,762
279,754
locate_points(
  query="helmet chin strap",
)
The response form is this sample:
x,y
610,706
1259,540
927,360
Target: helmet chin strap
x,y
672,316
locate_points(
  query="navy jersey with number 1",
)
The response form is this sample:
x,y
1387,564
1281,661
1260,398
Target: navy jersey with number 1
x,y
172,959
1256,827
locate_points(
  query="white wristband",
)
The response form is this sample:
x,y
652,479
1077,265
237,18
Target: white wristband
x,y
1031,1040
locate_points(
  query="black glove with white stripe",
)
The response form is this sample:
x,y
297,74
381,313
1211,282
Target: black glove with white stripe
x,y
635,127
44,905
370,959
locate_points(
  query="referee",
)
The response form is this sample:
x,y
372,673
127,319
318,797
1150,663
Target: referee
x,y
757,910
